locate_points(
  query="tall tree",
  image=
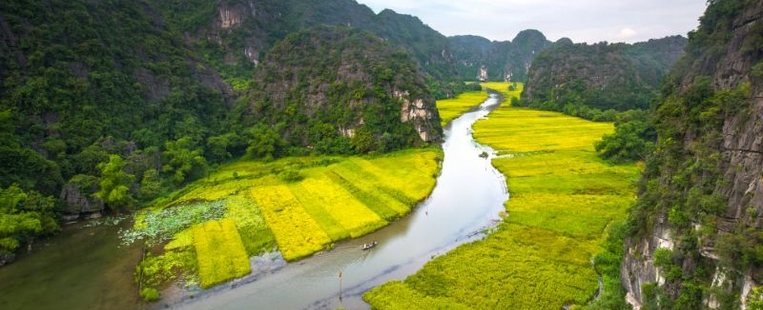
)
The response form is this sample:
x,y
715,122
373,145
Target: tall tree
x,y
23,215
184,160
115,183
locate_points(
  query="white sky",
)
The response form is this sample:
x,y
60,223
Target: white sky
x,y
580,20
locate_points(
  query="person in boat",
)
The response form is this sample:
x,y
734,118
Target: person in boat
x,y
367,246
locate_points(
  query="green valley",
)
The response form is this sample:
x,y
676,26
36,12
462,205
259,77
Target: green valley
x,y
550,247
347,154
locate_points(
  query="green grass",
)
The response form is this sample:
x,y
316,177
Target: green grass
x,y
563,199
335,198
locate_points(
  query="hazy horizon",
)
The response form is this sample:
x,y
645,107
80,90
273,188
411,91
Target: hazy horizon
x,y
588,21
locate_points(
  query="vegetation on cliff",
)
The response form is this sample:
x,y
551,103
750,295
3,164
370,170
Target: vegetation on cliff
x,y
698,186
341,91
605,82
83,82
502,59
589,80
236,35
23,216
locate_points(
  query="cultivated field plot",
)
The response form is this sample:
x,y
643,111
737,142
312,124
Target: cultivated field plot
x,y
221,255
503,89
563,198
298,206
518,130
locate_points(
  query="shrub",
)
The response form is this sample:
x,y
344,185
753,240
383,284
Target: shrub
x,y
149,294
290,176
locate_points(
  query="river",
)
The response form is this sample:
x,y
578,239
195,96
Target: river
x,y
83,268
467,199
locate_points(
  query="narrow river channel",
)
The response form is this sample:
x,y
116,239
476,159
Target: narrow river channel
x,y
467,199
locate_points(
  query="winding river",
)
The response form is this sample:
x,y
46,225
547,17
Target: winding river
x,y
83,269
467,199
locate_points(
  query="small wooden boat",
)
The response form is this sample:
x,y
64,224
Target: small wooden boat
x,y
368,246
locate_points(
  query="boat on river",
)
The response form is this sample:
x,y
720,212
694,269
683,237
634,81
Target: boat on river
x,y
368,246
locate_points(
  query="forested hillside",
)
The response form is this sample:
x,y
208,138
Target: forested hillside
x,y
583,80
502,59
106,105
235,35
341,91
695,232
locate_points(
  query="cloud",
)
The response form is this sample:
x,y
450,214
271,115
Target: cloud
x,y
626,33
580,20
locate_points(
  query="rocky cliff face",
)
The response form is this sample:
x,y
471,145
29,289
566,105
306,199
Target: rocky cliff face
x,y
696,230
604,76
348,86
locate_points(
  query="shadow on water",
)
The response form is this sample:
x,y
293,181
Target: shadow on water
x,y
467,199
81,268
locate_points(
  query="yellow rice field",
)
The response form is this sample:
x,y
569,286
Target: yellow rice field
x,y
452,108
503,89
524,130
296,232
336,198
221,255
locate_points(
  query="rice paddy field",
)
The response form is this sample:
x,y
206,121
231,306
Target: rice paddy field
x,y
503,89
298,206
563,201
450,109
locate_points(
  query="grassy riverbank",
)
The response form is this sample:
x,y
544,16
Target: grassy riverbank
x,y
298,205
563,199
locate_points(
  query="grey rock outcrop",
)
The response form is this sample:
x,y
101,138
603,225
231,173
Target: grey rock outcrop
x,y
77,194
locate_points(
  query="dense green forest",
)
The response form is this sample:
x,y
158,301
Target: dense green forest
x,y
699,184
594,81
101,99
342,93
235,35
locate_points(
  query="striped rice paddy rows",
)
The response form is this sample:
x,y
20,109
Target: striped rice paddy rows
x,y
335,198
